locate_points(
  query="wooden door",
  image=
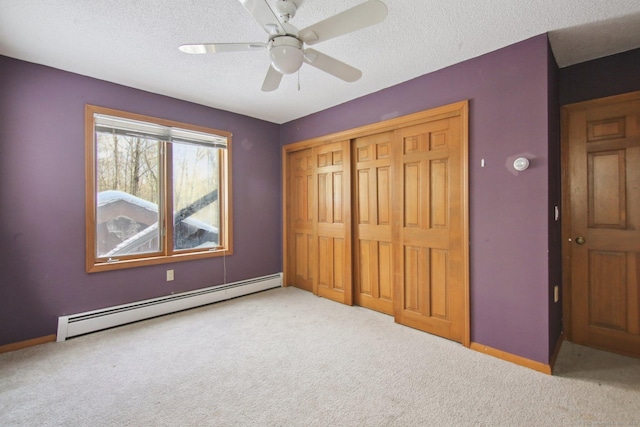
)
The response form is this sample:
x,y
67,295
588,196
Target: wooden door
x,y
602,139
301,220
318,224
332,164
430,237
373,260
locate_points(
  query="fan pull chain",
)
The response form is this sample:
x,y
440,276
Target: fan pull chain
x,y
298,80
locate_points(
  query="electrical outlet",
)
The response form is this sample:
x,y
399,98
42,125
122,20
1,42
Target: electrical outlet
x,y
556,293
169,275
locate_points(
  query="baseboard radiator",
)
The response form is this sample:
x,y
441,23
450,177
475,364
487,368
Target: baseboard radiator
x,y
96,320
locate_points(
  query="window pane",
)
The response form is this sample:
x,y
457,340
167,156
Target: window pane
x,y
127,215
196,176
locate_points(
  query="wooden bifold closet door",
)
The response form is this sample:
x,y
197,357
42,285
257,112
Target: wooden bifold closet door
x,y
378,217
319,222
301,220
373,252
429,238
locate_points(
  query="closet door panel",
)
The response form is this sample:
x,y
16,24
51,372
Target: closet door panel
x,y
332,170
372,229
428,235
301,264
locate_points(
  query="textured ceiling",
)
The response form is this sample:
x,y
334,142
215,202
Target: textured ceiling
x,y
135,43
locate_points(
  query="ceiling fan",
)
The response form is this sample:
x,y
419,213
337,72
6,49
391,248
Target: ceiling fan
x,y
287,46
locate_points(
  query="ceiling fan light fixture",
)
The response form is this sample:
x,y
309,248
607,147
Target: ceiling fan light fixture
x,y
286,54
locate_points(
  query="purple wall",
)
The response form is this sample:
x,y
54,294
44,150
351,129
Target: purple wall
x,y
42,204
509,92
608,76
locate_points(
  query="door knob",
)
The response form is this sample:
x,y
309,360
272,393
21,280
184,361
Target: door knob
x,y
580,240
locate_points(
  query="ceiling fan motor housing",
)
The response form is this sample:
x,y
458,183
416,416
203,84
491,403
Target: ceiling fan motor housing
x,y
286,9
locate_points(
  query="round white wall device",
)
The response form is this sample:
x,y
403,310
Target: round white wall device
x,y
520,164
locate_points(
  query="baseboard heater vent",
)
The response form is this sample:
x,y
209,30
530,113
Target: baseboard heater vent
x,y
91,321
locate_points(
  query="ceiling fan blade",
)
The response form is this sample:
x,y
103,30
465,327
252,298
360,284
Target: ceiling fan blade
x,y
263,14
221,47
272,80
364,15
331,65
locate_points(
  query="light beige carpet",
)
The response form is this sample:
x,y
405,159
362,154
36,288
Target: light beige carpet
x,y
287,358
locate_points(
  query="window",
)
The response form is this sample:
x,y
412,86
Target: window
x,y
157,191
